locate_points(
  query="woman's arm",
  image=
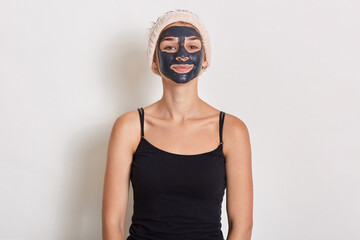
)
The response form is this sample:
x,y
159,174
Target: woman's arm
x,y
117,177
239,193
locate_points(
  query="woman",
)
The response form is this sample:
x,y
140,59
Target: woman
x,y
179,153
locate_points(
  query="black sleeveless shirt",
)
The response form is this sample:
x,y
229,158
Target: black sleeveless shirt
x,y
177,197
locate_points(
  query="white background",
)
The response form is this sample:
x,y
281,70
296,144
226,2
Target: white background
x,y
288,69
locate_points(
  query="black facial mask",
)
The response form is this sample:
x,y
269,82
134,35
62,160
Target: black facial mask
x,y
166,59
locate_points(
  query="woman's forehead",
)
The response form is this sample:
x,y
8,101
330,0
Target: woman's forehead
x,y
174,32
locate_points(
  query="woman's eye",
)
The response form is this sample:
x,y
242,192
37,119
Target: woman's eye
x,y
169,47
193,47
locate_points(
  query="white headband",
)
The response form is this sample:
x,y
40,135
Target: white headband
x,y
175,16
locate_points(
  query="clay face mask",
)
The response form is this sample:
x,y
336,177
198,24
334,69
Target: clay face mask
x,y
180,53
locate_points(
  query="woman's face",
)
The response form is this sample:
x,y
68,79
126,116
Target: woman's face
x,y
180,53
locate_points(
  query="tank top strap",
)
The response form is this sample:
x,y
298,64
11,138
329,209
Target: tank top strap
x,y
221,124
141,114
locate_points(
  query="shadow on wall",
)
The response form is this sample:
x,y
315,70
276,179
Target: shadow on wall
x,y
126,76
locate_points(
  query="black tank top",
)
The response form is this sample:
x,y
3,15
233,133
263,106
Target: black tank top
x,y
177,197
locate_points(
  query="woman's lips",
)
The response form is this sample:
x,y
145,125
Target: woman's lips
x,y
182,68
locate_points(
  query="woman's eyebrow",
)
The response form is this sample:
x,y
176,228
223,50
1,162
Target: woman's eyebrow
x,y
169,39
193,38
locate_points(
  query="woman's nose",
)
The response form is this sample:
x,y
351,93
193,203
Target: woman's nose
x,y
182,58
182,53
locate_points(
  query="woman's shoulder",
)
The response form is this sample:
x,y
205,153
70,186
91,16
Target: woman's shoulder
x,y
234,127
127,119
127,128
234,120
235,136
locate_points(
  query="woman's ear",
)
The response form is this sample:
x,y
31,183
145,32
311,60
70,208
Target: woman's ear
x,y
204,65
155,68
